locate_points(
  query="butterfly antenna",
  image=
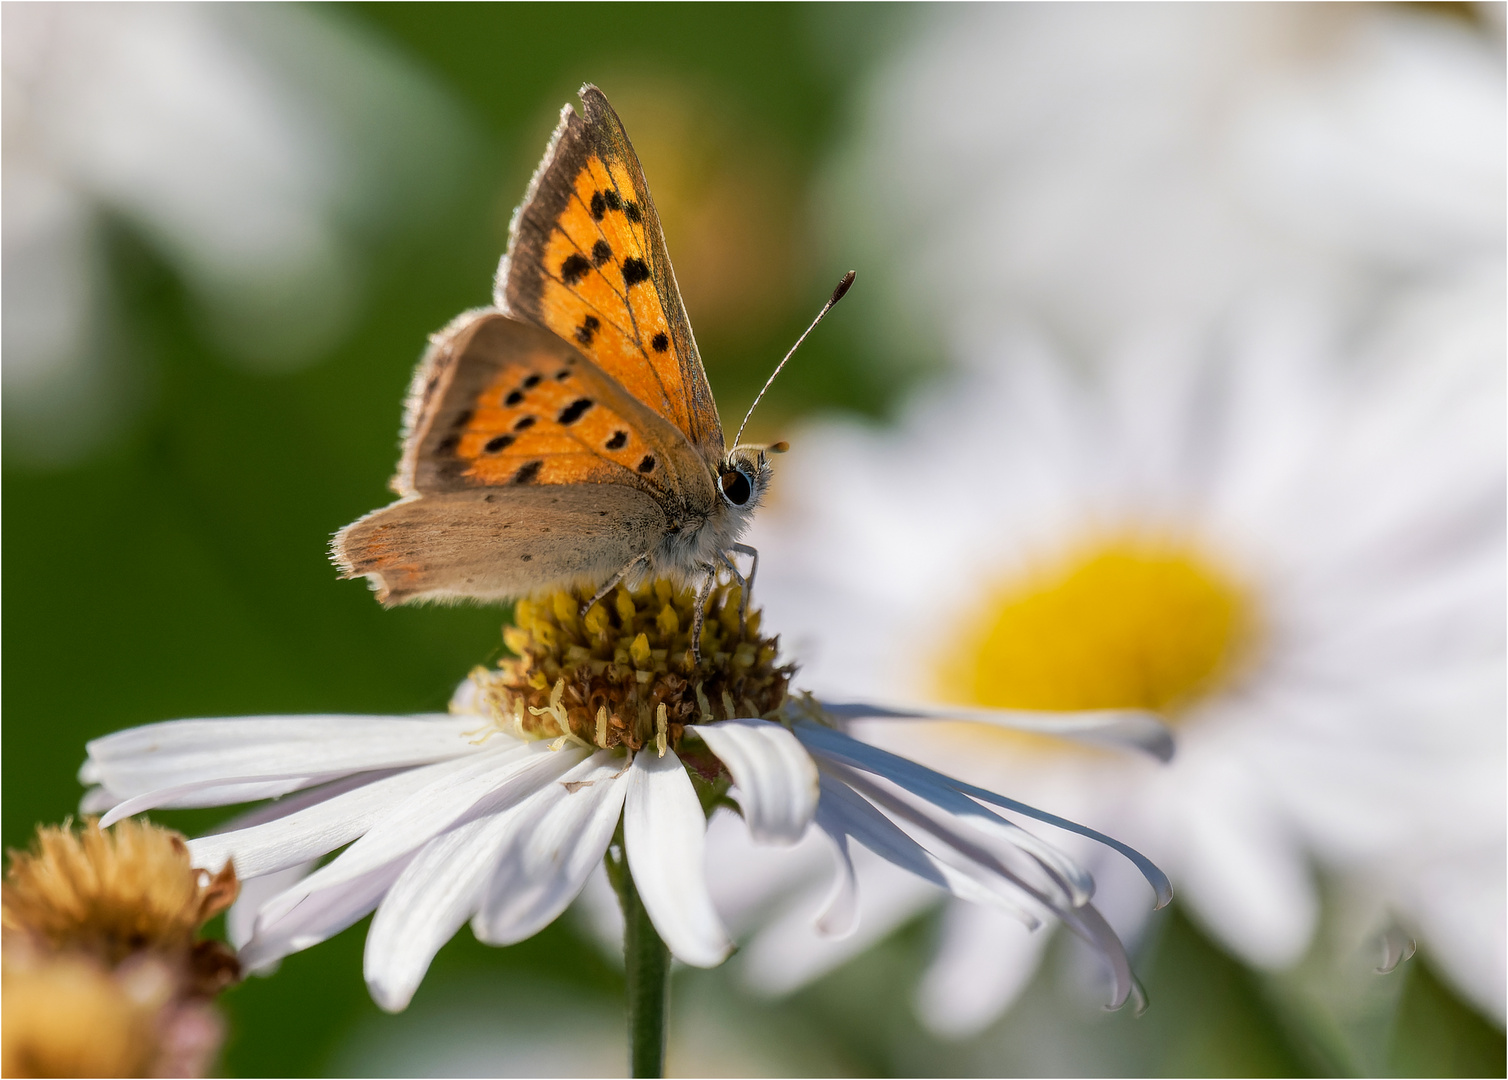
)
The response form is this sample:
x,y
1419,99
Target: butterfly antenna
x,y
832,300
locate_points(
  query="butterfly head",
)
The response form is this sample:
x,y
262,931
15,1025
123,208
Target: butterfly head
x,y
744,475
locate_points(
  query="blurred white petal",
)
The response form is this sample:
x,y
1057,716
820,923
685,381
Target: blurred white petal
x,y
258,151
984,960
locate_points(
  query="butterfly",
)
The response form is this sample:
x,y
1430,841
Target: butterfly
x,y
566,437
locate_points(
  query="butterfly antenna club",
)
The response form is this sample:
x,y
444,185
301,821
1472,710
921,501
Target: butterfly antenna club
x,y
838,294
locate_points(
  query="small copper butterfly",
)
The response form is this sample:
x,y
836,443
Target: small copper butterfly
x,y
566,437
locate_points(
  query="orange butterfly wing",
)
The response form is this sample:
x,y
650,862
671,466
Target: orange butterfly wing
x,y
525,467
499,403
586,259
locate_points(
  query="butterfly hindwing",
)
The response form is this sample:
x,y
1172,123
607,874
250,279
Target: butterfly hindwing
x,y
523,464
586,259
482,544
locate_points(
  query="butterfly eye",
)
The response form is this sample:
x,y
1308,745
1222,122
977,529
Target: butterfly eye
x,y
736,487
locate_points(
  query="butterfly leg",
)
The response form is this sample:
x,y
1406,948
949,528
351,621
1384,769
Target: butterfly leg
x,y
612,583
700,617
745,584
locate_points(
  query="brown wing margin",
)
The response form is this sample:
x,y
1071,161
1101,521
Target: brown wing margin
x,y
523,275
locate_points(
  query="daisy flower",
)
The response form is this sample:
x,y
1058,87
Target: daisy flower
x,y
601,738
1277,233
1298,566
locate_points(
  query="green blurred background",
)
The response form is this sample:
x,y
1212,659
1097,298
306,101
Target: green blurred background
x,y
178,567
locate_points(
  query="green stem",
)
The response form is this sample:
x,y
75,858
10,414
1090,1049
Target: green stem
x,y
646,963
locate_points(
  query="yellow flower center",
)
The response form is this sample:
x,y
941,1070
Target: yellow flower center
x,y
623,674
1127,622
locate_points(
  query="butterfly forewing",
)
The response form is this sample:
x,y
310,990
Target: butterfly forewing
x,y
523,464
498,403
587,260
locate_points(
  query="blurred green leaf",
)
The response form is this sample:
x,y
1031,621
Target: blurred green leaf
x,y
1437,1034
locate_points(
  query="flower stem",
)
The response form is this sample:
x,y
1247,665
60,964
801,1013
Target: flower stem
x,y
646,963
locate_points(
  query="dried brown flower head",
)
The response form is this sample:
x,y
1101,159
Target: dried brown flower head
x,y
103,972
111,893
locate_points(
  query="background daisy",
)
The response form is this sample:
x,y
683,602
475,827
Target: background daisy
x,y
1225,441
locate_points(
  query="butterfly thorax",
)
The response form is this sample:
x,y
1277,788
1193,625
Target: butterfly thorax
x,y
700,537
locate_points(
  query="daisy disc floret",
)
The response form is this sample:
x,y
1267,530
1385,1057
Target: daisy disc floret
x,y
622,674
603,735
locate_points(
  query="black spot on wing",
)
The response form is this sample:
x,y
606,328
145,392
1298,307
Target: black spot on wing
x,y
524,423
598,205
635,270
462,418
448,444
602,251
573,268
632,212
648,464
527,474
659,343
532,381
611,200
525,558
618,440
514,397
498,442
562,375
572,412
588,329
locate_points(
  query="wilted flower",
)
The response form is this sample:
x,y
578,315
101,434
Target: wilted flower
x,y
103,971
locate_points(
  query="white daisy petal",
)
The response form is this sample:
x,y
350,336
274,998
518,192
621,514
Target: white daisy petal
x,y
435,895
925,782
839,915
178,752
1133,728
241,918
1091,926
316,917
664,836
791,951
775,776
968,855
843,813
488,783
231,790
553,850
318,829
97,800
936,789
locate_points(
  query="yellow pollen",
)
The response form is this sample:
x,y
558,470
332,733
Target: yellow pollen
x,y
1128,622
623,674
